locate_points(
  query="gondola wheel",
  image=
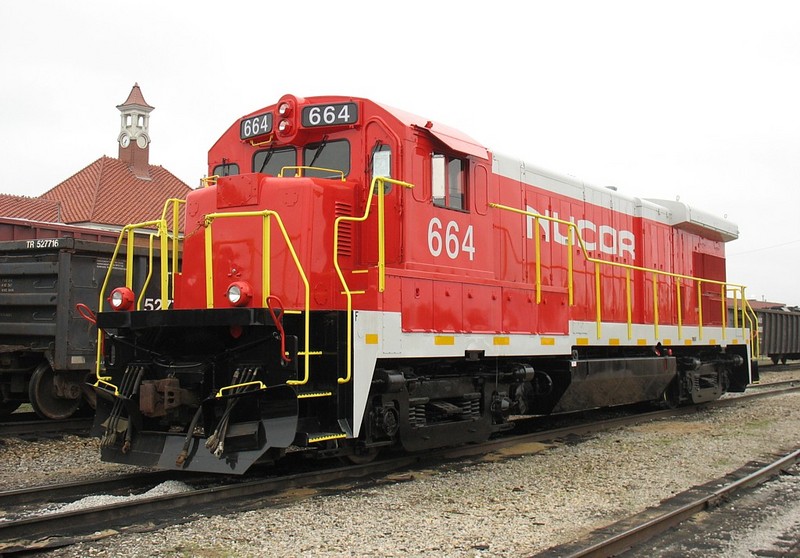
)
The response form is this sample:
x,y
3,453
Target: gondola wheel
x,y
8,407
44,399
89,395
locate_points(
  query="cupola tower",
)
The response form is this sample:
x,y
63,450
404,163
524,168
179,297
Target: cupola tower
x,y
134,134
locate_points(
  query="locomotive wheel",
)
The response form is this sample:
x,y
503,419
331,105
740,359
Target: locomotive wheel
x,y
671,398
44,399
361,458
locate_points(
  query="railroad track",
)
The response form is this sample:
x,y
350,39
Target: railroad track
x,y
29,424
33,531
57,529
626,535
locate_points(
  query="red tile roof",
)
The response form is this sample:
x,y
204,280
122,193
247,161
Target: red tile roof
x,y
35,209
764,305
108,192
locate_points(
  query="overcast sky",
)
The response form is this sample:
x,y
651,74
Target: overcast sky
x,y
692,99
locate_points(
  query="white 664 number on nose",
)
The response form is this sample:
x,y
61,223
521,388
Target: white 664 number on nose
x,y
450,239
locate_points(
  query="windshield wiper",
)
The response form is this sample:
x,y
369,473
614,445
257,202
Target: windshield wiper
x,y
319,150
270,151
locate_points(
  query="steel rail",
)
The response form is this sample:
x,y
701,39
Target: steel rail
x,y
37,425
57,492
650,528
66,528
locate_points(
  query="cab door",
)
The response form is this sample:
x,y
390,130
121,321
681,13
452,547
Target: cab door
x,y
382,159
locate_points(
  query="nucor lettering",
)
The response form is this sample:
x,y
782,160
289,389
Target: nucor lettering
x,y
603,237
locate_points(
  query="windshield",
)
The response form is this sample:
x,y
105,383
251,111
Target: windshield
x,y
327,155
272,160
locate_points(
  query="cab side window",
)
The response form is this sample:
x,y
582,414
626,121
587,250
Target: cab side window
x,y
226,169
382,161
449,182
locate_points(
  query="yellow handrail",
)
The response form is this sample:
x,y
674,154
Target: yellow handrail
x,y
209,180
128,234
376,181
749,318
266,215
597,262
103,382
261,386
299,171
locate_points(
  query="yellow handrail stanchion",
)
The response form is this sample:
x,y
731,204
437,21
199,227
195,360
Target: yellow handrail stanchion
x,y
700,309
628,304
655,306
266,250
723,295
129,260
739,308
381,239
570,268
538,244
167,283
598,299
149,274
679,304
209,261
174,253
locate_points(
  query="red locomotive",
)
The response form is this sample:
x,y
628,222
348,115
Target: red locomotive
x,y
355,277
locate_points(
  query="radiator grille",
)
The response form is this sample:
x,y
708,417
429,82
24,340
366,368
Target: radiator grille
x,y
345,238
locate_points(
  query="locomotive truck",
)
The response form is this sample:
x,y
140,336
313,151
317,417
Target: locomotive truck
x,y
355,277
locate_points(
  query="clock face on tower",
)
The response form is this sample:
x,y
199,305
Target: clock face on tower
x,y
124,140
141,141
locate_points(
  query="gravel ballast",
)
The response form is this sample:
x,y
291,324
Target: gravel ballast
x,y
502,506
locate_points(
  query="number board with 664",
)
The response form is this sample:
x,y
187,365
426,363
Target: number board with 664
x,y
333,114
256,125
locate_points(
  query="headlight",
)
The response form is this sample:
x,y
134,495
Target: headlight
x,y
285,127
239,293
121,298
285,109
